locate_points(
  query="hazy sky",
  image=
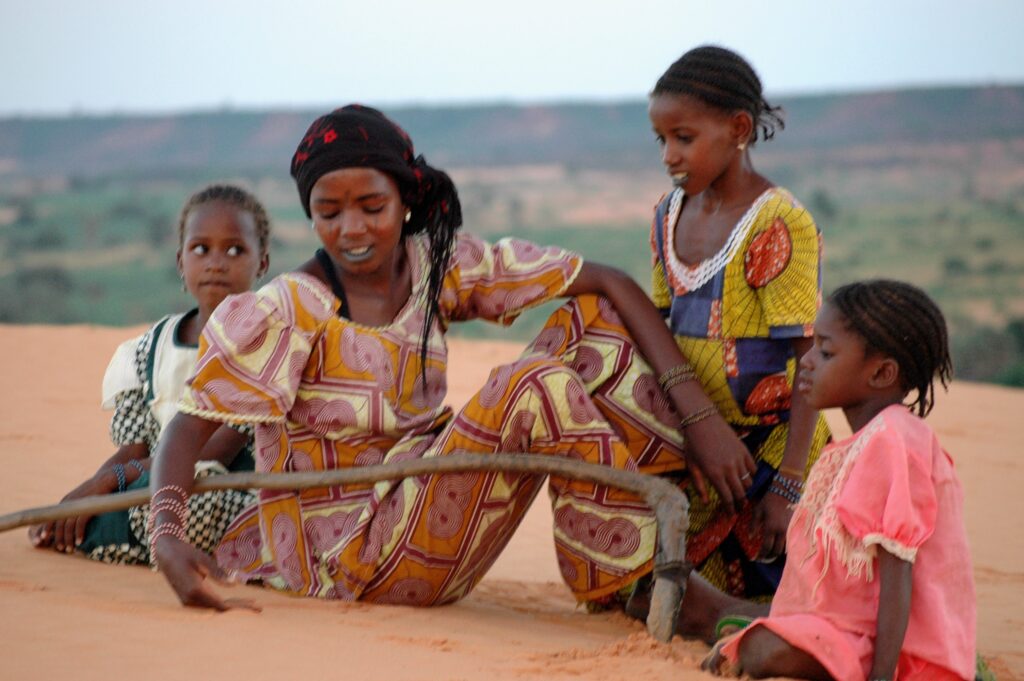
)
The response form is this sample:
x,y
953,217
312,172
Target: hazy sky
x,y
102,56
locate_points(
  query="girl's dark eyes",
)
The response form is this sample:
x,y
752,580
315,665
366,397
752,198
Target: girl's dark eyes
x,y
827,355
200,249
235,251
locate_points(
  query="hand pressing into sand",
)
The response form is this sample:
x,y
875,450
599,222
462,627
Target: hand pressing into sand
x,y
186,569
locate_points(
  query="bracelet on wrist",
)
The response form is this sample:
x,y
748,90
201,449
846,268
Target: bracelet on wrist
x,y
137,465
122,480
680,373
787,494
697,416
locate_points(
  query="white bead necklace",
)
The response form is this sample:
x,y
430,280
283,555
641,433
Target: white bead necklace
x,y
695,276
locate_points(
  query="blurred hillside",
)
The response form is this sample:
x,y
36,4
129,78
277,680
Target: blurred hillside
x,y
925,185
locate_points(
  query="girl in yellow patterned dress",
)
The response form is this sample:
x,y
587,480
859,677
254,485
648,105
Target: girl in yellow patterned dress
x,y
342,363
737,274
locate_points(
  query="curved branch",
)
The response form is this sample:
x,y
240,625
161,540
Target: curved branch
x,y
670,505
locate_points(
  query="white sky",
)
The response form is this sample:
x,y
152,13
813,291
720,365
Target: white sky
x,y
101,56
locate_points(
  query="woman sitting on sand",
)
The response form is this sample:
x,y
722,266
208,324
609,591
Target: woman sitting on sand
x,y
342,363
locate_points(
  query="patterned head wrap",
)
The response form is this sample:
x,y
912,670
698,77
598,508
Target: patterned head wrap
x,y
357,136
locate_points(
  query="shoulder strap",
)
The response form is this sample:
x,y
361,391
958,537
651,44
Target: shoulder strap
x,y
332,278
659,227
154,341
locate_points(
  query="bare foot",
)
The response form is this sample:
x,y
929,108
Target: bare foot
x,y
704,605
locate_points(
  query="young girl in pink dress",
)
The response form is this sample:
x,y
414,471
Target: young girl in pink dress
x,y
879,582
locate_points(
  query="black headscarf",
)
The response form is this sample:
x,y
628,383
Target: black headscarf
x,y
357,136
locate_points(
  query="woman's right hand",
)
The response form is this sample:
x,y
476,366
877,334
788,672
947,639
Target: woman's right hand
x,y
712,445
186,569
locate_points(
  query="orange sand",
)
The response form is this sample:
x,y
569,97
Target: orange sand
x,y
64,615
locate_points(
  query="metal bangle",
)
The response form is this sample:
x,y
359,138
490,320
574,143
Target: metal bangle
x,y
673,373
696,416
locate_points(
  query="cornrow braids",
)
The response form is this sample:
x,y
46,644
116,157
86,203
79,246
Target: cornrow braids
x,y
900,320
232,195
724,80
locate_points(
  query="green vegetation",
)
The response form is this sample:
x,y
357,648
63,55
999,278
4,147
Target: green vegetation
x,y
88,213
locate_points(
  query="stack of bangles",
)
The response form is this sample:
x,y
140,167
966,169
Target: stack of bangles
x,y
788,484
680,373
170,498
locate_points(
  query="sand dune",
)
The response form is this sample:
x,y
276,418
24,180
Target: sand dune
x,y
68,616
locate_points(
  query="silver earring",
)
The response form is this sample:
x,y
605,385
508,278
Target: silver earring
x,y
184,289
742,146
408,215
312,225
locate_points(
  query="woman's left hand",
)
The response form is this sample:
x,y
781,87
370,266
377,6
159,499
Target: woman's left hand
x,y
773,514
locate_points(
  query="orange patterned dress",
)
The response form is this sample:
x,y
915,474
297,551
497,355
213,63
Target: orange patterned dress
x,y
326,392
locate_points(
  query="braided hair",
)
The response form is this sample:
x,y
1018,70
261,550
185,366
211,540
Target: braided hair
x,y
902,322
724,80
233,196
360,136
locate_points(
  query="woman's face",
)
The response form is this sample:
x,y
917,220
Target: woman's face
x,y
358,215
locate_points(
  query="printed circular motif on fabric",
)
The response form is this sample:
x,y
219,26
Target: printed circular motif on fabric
x,y
469,253
452,494
581,410
324,416
240,552
244,323
615,537
771,394
651,399
567,568
518,432
588,363
365,354
549,341
285,541
526,251
437,388
408,591
497,384
236,399
370,456
326,532
388,515
768,254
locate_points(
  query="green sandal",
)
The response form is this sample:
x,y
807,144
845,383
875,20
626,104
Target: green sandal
x,y
730,624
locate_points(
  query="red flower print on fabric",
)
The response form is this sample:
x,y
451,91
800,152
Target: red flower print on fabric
x,y
771,394
330,136
768,255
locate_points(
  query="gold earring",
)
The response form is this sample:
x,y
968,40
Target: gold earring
x,y
742,146
408,215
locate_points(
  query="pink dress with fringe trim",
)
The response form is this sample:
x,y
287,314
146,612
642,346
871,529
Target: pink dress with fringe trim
x,y
889,485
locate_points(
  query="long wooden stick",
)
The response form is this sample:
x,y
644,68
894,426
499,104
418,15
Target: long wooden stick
x,y
670,505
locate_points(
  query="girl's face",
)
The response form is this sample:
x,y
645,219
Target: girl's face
x,y
836,371
358,215
698,142
220,253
